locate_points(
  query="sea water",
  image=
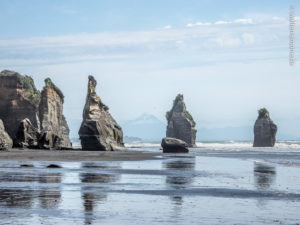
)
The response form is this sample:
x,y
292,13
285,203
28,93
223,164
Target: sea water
x,y
216,183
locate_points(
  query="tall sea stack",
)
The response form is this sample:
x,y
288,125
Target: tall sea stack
x,y
54,128
99,131
264,130
181,124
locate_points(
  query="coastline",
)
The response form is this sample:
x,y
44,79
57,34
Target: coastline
x,y
74,155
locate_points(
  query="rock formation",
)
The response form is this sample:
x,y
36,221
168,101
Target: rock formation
x,y
5,140
180,122
53,125
99,131
19,99
264,130
173,145
33,119
27,135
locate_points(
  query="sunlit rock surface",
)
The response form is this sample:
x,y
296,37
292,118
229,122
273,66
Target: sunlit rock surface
x,y
99,131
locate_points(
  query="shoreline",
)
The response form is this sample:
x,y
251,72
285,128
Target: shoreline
x,y
74,155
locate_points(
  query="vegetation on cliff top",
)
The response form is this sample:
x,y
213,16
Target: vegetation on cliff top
x,y
49,83
178,98
31,93
262,112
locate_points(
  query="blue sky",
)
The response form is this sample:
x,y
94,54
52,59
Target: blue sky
x,y
20,18
228,58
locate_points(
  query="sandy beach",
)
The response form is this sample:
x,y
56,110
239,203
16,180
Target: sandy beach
x,y
73,155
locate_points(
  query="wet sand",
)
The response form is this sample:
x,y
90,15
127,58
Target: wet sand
x,y
74,155
206,186
175,189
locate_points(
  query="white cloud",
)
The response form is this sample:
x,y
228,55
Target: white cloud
x,y
167,27
244,21
222,22
198,24
125,45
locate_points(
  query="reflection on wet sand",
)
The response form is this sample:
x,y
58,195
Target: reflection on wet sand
x,y
264,175
181,178
264,178
89,194
180,167
16,198
50,195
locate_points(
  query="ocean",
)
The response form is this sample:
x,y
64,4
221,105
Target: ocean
x,y
215,183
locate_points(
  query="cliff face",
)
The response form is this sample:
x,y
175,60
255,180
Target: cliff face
x,y
19,99
264,130
5,140
180,122
32,119
53,125
99,131
27,135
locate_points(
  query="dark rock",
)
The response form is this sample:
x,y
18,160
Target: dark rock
x,y
173,145
27,135
26,165
54,128
99,131
181,124
19,99
54,166
5,140
264,130
50,140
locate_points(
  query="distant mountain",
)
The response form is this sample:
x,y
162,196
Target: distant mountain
x,y
132,139
147,127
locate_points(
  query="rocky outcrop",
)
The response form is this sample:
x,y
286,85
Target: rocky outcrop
x,y
53,125
264,130
33,119
5,140
19,99
173,145
27,135
99,131
181,124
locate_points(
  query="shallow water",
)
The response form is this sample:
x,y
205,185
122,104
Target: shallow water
x,y
206,186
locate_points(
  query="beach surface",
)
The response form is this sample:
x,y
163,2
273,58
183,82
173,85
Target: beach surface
x,y
74,155
217,183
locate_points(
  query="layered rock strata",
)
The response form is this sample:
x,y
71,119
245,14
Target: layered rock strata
x,y
99,131
33,119
53,125
19,99
181,124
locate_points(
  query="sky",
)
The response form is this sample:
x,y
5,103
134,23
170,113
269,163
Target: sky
x,y
228,58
